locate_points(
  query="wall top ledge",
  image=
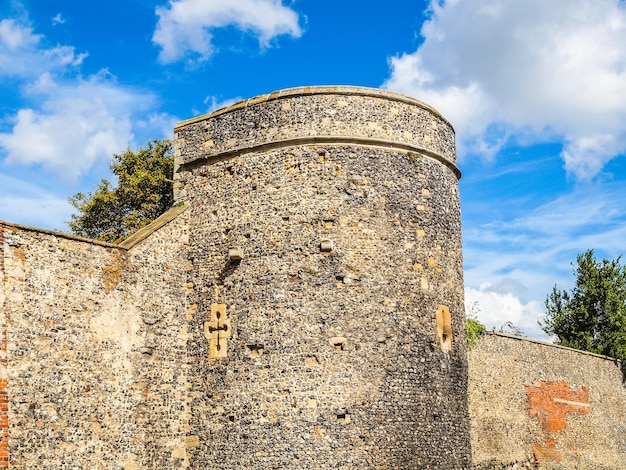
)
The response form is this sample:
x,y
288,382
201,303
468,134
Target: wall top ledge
x,y
345,90
552,345
126,244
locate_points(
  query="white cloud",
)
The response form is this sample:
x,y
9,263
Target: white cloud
x,y
58,19
30,204
77,124
156,126
512,264
64,55
49,211
495,310
185,26
15,36
528,69
589,208
213,104
23,55
67,123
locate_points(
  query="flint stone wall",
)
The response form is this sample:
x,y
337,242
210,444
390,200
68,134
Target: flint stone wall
x,y
333,359
343,204
321,114
537,405
95,350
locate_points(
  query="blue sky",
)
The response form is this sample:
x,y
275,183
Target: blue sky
x,y
536,91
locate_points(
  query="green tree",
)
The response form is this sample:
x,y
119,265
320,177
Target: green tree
x,y
142,193
592,317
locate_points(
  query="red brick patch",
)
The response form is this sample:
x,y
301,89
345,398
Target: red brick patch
x,y
4,413
550,402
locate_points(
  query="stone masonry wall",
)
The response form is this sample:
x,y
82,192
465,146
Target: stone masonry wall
x,y
300,307
159,294
94,366
4,400
536,405
336,113
345,205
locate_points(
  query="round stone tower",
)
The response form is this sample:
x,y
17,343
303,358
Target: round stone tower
x,y
326,327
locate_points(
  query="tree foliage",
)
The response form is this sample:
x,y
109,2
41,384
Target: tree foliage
x,y
592,317
474,329
142,193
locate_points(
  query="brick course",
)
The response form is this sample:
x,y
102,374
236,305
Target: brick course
x,y
4,400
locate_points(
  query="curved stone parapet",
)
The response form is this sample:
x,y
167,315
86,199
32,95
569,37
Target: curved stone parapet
x,y
325,115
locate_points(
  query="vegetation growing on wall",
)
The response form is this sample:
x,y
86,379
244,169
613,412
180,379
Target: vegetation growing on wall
x,y
511,328
474,329
592,316
142,193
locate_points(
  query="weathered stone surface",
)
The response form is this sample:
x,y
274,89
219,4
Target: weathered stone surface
x,y
535,405
300,307
334,113
95,353
332,219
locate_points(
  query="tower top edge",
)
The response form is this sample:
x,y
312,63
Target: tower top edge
x,y
346,90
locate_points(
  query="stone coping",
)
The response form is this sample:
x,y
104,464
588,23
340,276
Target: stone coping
x,y
153,226
57,233
316,90
127,244
553,345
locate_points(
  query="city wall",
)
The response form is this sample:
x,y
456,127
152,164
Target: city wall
x,y
537,405
93,357
301,306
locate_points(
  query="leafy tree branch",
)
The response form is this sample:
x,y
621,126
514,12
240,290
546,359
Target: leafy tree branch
x,y
592,316
142,193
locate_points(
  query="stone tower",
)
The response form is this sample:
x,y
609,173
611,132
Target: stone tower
x,y
325,279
